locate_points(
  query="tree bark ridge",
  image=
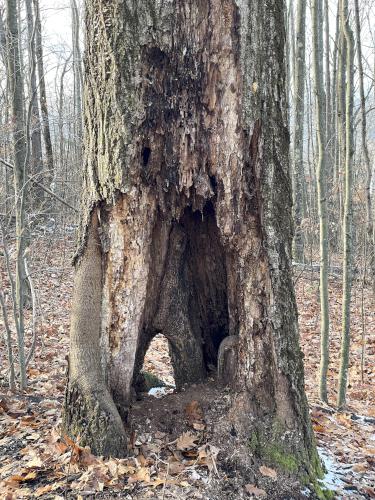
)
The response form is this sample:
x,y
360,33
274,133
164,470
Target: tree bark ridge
x,y
187,164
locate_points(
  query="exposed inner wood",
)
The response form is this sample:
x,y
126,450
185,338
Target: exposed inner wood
x,y
187,165
187,294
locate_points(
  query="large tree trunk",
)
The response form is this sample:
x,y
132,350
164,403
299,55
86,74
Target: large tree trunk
x,y
187,229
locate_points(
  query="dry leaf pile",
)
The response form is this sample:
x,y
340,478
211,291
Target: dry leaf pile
x,y
346,438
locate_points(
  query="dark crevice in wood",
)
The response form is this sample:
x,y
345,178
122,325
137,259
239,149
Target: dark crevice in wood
x,y
187,294
146,153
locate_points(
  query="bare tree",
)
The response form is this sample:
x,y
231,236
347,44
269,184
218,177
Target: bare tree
x,y
317,28
42,92
348,215
369,208
78,81
19,144
299,106
36,137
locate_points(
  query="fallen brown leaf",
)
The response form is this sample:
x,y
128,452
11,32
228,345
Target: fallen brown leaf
x,y
252,490
186,441
141,475
268,472
194,412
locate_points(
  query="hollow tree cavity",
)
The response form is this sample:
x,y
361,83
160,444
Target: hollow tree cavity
x,y
187,203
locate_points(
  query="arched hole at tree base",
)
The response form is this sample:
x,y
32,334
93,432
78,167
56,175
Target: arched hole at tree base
x,y
157,370
165,413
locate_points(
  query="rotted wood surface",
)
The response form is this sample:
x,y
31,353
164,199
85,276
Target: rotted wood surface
x,y
187,167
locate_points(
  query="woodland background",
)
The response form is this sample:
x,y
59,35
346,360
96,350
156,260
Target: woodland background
x,y
331,82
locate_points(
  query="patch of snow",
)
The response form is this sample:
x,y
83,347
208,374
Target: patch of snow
x,y
159,392
332,479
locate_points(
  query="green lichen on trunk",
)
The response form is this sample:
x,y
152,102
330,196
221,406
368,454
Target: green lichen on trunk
x,y
270,444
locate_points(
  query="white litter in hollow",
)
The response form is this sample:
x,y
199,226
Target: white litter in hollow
x,y
159,392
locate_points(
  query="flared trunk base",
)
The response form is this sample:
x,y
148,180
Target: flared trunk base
x,y
92,419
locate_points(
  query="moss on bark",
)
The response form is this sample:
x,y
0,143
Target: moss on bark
x,y
278,447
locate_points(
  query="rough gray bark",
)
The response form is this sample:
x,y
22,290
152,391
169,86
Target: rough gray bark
x,y
299,106
188,206
321,175
15,85
43,92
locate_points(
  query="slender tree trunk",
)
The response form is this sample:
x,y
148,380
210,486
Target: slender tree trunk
x,y
328,122
321,175
327,72
335,140
61,124
299,112
16,97
341,120
369,208
78,79
36,137
8,342
43,93
348,215
3,41
311,156
292,34
3,52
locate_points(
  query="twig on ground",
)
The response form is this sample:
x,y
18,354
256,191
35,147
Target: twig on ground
x,y
165,481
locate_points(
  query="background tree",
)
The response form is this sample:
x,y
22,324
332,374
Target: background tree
x,y
317,33
35,125
43,92
77,81
348,215
298,138
15,85
369,207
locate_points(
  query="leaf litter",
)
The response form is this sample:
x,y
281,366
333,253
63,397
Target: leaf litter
x,y
37,461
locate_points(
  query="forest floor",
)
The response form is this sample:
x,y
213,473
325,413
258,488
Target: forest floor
x,y
36,461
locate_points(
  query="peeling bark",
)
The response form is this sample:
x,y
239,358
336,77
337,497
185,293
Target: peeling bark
x,y
187,166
